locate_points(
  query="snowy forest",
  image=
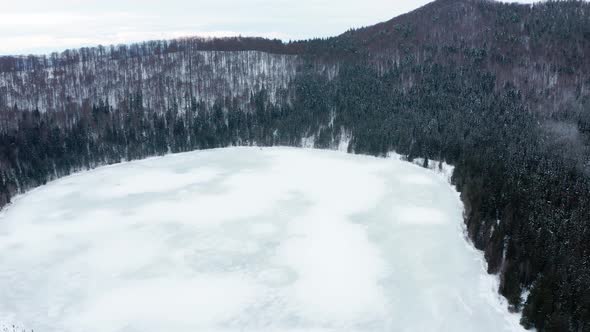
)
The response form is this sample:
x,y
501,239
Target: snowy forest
x,y
500,91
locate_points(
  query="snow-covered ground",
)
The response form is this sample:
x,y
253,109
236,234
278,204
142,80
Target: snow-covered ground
x,y
247,239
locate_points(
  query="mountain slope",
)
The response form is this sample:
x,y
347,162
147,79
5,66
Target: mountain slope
x,y
540,48
179,76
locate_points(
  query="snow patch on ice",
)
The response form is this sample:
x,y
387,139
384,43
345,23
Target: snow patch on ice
x,y
246,239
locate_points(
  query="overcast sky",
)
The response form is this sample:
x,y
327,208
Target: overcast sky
x,y
43,26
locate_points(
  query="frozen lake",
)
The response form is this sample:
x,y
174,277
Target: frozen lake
x,y
245,239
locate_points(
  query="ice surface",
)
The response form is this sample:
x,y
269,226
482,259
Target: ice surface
x,y
247,239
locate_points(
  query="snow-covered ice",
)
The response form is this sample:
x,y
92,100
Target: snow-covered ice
x,y
247,239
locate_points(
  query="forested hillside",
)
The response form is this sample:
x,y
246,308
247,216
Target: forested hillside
x,y
500,91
